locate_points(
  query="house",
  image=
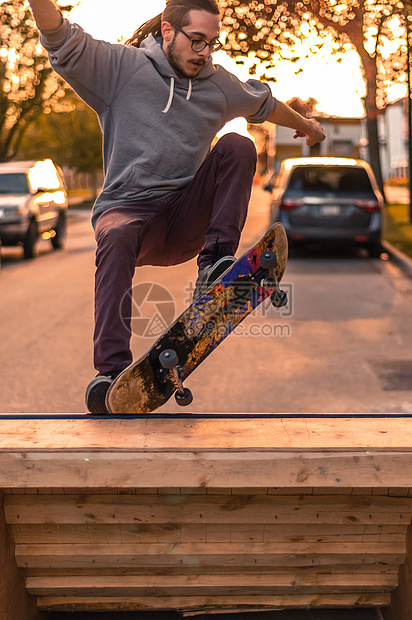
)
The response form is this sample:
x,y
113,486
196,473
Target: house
x,y
393,133
344,138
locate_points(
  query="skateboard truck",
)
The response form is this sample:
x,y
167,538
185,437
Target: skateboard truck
x,y
172,371
269,261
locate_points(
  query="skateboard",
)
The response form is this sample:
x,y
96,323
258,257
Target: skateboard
x,y
149,382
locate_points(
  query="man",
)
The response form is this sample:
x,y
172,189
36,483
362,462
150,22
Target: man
x,y
166,196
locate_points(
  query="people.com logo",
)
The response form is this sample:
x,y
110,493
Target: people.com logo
x,y
149,308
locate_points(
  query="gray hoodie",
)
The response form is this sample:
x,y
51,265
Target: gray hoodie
x,y
157,127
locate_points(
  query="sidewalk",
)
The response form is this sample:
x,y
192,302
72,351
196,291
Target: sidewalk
x,y
398,234
398,228
397,195
79,199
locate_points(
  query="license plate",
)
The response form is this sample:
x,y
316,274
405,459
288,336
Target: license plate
x,y
329,210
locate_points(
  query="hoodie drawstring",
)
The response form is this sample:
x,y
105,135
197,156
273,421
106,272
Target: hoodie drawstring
x,y
171,93
169,103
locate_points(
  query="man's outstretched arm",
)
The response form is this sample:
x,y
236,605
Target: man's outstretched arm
x,y
46,14
284,116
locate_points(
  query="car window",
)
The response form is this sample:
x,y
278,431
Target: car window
x,y
13,183
330,179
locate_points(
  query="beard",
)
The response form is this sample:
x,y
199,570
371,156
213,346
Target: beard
x,y
176,62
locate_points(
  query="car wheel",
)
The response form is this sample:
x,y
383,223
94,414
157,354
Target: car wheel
x,y
30,240
374,249
59,238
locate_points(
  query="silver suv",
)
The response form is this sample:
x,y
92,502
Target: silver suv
x,y
328,199
33,203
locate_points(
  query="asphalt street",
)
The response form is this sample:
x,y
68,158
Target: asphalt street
x,y
342,345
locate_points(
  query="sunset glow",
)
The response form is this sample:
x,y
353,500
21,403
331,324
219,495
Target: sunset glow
x,y
333,79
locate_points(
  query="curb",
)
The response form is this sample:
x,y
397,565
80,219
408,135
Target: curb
x,y
399,258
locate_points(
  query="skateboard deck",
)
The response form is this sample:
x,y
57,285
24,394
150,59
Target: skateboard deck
x,y
148,383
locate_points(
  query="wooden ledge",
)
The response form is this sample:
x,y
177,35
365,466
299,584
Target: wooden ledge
x,y
210,434
204,514
236,453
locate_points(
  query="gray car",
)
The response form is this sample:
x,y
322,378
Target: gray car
x,y
33,204
328,199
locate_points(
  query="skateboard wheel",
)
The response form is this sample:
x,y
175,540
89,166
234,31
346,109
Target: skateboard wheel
x,y
268,260
279,299
184,399
168,359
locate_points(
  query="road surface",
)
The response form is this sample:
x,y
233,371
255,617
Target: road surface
x,y
343,344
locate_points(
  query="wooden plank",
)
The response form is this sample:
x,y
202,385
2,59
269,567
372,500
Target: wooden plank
x,y
144,571
212,603
208,433
98,533
220,532
247,532
14,599
207,554
398,492
331,491
237,469
217,585
362,491
295,490
401,601
354,509
193,532
249,491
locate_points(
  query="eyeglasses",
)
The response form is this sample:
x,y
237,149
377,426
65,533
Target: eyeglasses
x,y
198,45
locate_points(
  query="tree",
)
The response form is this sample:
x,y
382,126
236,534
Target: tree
x,y
72,138
28,86
269,29
407,15
367,25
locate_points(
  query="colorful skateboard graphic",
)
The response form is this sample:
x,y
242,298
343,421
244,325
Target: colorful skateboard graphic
x,y
149,382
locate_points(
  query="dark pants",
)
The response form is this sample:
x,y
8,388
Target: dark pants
x,y
211,209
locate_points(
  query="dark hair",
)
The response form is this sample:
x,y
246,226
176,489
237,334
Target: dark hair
x,y
176,12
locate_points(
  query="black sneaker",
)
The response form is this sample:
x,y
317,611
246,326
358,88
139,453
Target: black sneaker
x,y
96,393
208,275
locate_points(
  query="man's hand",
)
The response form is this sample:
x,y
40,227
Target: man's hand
x,y
314,134
308,128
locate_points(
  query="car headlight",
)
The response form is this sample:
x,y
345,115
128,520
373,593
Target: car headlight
x,y
59,198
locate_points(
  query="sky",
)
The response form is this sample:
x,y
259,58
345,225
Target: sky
x,y
338,87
